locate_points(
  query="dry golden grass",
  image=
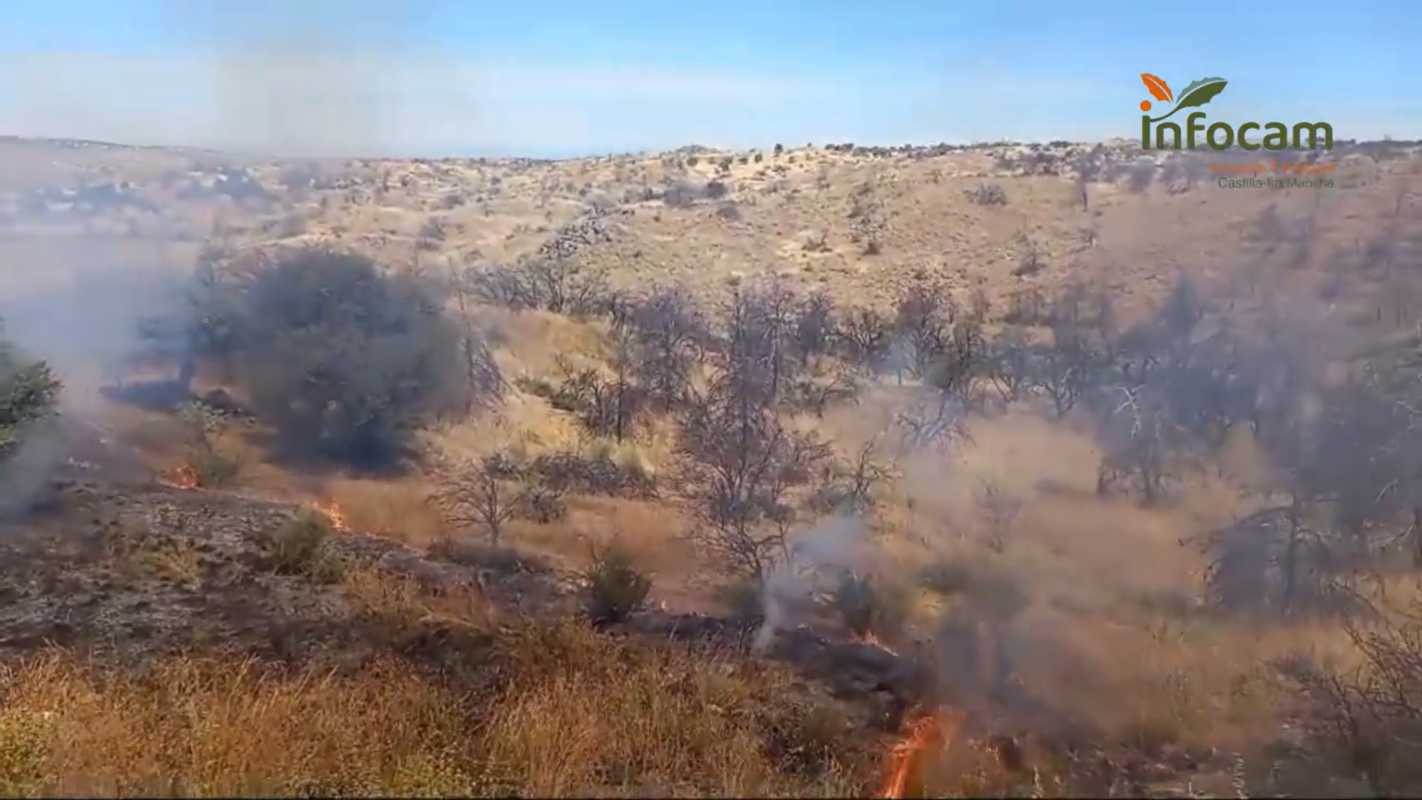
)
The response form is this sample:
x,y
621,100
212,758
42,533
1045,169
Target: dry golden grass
x,y
403,603
196,727
590,714
582,714
396,508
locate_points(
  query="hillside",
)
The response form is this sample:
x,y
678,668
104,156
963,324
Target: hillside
x,y
1004,469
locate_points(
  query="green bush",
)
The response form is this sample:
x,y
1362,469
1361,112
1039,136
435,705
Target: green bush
x,y
343,359
28,391
616,588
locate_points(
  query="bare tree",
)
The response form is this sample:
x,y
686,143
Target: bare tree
x,y
484,380
481,493
815,326
741,467
1063,371
1009,365
865,334
670,333
849,486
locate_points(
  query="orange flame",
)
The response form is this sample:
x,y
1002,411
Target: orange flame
x,y
331,510
873,641
183,476
929,731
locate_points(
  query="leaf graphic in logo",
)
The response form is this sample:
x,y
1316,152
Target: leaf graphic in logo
x,y
1201,92
1157,86
1197,93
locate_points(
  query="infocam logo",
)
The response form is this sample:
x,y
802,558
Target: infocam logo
x,y
1219,135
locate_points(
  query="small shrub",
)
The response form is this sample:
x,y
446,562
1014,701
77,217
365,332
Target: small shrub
x,y
616,588
299,546
986,194
729,212
715,190
1030,257
543,502
679,195
999,511
609,470
214,468
868,605
817,243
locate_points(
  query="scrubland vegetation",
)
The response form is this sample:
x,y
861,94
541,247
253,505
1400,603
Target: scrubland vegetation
x,y
554,524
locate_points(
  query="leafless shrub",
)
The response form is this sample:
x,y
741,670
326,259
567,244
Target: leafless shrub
x,y
606,401
986,194
1031,257
558,285
1369,717
849,487
999,511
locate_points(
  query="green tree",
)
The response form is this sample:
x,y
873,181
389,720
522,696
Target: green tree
x,y
28,390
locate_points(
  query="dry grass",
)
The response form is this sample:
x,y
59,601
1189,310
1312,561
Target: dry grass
x,y
582,715
587,713
403,604
212,728
396,508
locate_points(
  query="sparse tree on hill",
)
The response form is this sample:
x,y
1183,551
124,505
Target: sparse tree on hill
x,y
28,390
482,493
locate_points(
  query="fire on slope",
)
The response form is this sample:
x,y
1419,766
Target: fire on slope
x,y
183,476
924,735
186,477
333,513
873,641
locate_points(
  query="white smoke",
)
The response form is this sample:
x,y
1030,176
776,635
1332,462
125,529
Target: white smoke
x,y
836,544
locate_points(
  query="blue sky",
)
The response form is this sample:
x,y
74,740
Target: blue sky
x,y
467,78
